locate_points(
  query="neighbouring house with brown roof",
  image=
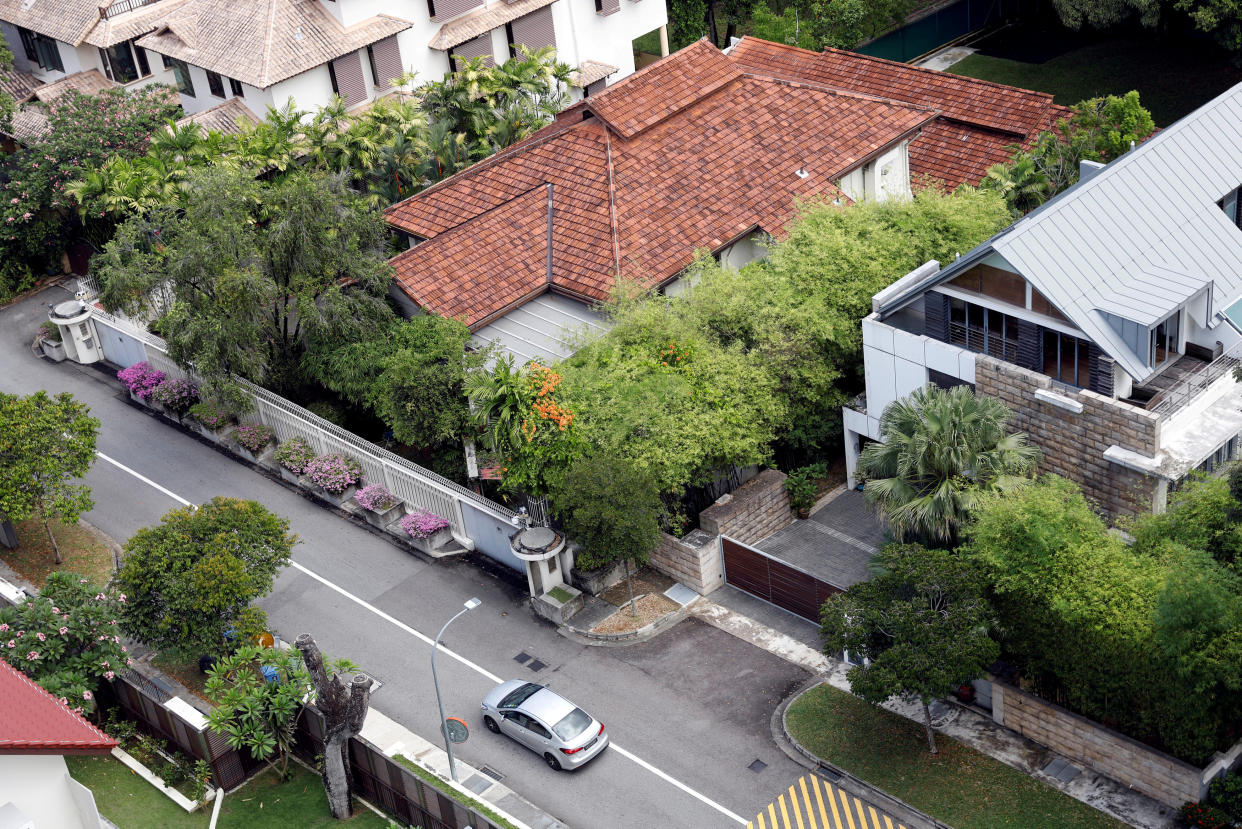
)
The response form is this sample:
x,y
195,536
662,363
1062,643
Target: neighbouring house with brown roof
x,y
702,150
36,732
267,52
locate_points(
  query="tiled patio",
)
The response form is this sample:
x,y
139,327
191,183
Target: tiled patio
x,y
835,545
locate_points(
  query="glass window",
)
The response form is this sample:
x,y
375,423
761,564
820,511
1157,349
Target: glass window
x,y
1041,305
182,73
983,330
537,729
519,695
573,724
236,87
1230,204
143,65
41,49
375,79
215,83
1164,340
168,62
119,63
1067,359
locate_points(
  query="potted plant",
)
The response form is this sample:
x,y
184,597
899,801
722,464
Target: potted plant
x,y
211,418
50,342
252,440
379,506
293,455
176,396
426,530
801,489
141,380
334,477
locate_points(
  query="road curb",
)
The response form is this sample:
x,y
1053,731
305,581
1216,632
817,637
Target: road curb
x,y
633,637
904,812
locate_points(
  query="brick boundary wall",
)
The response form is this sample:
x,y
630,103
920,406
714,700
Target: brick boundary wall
x,y
1154,773
694,561
751,512
1074,443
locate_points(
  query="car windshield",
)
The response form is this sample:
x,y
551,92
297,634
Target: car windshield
x,y
573,724
519,695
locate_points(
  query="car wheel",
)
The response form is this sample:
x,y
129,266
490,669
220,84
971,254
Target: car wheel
x,y
491,725
553,763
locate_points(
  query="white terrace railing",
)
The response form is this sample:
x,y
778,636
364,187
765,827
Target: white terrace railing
x,y
1192,385
417,486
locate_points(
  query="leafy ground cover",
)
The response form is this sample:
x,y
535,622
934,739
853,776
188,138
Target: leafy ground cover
x,y
959,786
1172,78
84,552
263,803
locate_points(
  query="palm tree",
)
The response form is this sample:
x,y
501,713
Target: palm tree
x,y
941,450
499,402
1024,186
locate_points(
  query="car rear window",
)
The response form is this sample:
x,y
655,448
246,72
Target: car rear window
x,y
519,695
573,724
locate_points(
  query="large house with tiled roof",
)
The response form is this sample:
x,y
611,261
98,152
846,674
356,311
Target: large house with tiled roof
x,y
703,150
268,52
36,732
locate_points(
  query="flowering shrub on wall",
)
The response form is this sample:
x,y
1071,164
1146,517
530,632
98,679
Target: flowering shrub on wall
x,y
141,379
294,455
423,524
376,498
253,437
66,639
212,414
333,473
177,395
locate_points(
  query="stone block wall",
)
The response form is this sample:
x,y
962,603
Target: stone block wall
x,y
1152,772
751,512
694,560
1074,442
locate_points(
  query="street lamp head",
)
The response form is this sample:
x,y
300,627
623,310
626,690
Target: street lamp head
x,y
471,604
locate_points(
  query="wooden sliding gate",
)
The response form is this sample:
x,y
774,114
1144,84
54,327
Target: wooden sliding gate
x,y
774,581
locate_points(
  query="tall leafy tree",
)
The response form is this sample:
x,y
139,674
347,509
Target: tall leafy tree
x,y
940,451
45,444
192,578
259,272
922,622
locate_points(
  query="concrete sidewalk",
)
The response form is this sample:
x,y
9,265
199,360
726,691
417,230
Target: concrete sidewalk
x,y
965,725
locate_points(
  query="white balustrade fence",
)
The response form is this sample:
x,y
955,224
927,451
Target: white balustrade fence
x,y
419,487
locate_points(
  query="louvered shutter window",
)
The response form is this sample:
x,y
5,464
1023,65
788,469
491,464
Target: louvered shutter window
x,y
387,61
607,7
446,9
481,46
535,30
349,80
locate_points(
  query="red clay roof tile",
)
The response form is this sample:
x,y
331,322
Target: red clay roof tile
x,y
32,721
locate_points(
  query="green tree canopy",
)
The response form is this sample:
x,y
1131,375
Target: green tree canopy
x,y
941,450
611,509
259,272
191,579
922,621
45,443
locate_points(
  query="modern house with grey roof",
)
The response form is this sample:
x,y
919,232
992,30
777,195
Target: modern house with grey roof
x,y
1109,320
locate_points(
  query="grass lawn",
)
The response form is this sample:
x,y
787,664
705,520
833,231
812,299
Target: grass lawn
x,y
132,803
84,552
959,786
1172,79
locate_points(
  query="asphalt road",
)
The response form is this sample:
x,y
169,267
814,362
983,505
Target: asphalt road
x,y
690,709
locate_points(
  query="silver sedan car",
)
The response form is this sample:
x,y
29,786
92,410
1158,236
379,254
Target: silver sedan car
x,y
545,722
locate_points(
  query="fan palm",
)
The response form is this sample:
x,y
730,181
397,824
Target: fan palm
x,y
499,402
941,449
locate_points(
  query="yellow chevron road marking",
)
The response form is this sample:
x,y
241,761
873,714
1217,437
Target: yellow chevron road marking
x,y
822,810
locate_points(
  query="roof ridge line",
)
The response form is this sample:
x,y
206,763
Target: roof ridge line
x,y
267,42
847,93
612,206
479,215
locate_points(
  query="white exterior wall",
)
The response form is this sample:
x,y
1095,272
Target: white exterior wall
x,y
40,786
73,59
895,363
883,178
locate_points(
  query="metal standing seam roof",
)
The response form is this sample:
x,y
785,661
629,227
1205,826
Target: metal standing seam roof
x,y
1143,235
32,721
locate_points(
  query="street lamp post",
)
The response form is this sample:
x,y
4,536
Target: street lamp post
x,y
448,744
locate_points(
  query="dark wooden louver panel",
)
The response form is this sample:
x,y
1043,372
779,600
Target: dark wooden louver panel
x,y
535,30
446,9
387,61
1030,345
609,7
1101,381
936,316
349,81
481,46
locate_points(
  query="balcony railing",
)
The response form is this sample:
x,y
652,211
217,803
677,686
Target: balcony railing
x,y
1192,385
122,6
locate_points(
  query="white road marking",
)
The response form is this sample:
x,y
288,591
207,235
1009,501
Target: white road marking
x,y
463,660
145,479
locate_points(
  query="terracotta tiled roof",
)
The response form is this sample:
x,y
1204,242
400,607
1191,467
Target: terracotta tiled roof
x,y
981,121
88,83
29,123
222,117
697,177
262,42
32,721
482,20
20,85
127,26
65,20
590,71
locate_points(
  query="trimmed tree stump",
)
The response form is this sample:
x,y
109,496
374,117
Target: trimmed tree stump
x,y
343,714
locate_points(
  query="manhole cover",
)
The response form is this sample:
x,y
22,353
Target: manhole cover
x,y
757,766
536,666
522,658
478,783
492,773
